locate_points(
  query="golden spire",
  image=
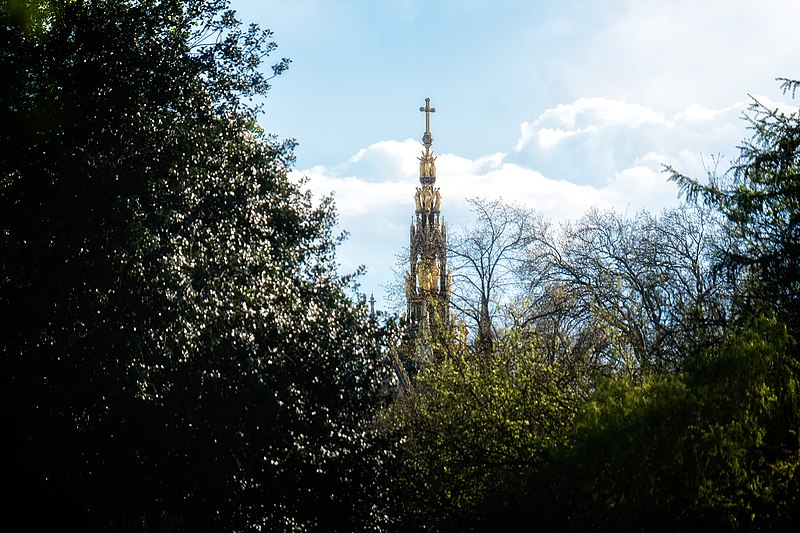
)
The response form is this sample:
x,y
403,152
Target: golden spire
x,y
428,278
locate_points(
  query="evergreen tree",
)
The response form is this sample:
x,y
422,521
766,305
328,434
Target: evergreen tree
x,y
760,198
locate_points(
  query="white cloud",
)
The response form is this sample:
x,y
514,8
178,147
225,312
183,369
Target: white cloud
x,y
382,161
590,140
584,116
696,113
608,154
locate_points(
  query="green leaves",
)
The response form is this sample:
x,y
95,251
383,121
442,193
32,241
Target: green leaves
x,y
758,196
476,426
715,446
183,334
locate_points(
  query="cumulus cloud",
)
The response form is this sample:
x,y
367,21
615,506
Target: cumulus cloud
x,y
381,162
585,116
591,140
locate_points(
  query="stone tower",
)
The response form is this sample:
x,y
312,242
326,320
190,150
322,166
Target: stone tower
x,y
428,279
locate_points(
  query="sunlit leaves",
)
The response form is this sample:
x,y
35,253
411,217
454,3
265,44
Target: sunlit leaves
x,y
185,336
477,425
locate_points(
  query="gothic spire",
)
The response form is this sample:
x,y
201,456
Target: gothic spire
x,y
428,279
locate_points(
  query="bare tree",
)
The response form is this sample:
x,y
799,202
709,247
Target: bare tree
x,y
486,259
637,293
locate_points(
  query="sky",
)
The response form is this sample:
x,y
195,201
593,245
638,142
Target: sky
x,y
559,106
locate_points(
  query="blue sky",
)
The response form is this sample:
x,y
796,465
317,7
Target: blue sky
x,y
556,105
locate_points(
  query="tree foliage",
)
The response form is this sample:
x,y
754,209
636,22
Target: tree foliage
x,y
646,376
759,196
717,446
476,427
182,354
516,441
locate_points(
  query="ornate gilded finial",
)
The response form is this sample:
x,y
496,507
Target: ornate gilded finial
x,y
427,139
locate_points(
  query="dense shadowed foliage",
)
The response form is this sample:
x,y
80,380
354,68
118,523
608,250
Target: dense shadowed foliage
x,y
715,447
180,352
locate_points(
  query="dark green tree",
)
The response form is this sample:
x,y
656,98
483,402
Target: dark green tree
x,y
713,448
759,196
179,351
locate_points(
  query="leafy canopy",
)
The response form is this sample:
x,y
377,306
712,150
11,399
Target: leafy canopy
x,y
182,354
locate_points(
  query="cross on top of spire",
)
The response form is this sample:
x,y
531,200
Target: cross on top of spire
x,y
427,138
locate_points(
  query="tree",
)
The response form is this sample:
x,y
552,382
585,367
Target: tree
x,y
485,259
714,447
647,379
477,428
759,196
182,354
639,293
716,444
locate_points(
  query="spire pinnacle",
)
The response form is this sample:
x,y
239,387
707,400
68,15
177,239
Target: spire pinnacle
x,y
427,138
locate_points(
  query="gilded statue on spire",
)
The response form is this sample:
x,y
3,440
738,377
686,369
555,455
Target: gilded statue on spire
x,y
427,199
427,165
